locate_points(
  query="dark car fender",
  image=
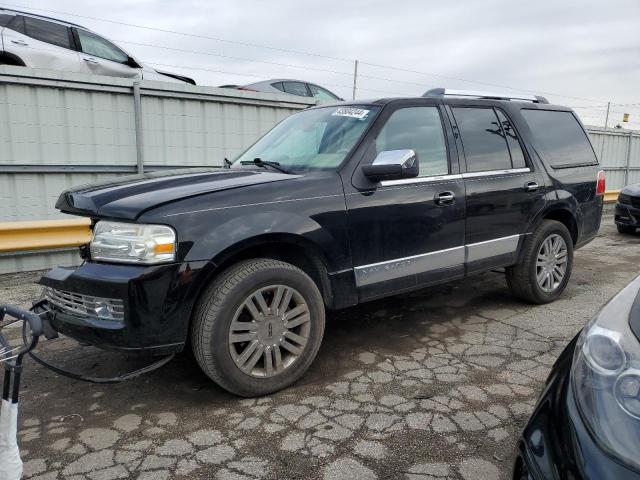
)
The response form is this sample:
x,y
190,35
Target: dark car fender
x,y
564,209
314,229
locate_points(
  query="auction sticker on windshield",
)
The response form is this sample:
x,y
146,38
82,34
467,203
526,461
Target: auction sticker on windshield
x,y
358,113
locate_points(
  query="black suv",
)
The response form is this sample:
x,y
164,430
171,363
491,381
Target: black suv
x,y
627,213
334,206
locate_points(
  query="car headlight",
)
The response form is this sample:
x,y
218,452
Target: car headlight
x,y
606,378
132,243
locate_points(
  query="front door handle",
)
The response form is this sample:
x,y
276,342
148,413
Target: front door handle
x,y
531,187
20,42
444,198
90,60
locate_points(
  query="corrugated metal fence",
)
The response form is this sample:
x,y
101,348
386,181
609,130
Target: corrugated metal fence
x,y
60,130
619,154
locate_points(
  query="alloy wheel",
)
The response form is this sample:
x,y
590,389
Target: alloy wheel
x,y
269,331
551,262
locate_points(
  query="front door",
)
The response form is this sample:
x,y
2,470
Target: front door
x,y
99,56
504,191
410,232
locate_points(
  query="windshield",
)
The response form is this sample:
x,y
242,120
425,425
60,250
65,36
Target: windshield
x,y
316,139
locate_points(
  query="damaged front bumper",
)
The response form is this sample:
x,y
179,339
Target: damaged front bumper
x,y
123,307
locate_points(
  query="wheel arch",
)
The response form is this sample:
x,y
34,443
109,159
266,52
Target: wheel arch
x,y
563,213
11,59
291,248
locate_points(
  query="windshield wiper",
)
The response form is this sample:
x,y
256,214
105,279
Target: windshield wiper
x,y
264,164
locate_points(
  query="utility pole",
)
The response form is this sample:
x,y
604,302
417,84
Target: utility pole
x,y
355,78
604,137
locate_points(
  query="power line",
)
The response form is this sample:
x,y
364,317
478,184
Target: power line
x,y
163,30
299,52
247,59
191,67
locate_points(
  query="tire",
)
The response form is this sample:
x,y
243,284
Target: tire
x,y
625,228
523,277
223,305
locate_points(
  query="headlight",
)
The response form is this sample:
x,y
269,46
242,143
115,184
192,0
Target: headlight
x,y
606,378
132,243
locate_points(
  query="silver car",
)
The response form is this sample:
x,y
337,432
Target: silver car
x,y
292,87
36,41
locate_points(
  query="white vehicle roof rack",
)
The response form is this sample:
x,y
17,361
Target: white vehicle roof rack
x,y
449,92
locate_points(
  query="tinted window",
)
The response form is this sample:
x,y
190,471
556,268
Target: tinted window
x,y
5,19
561,138
278,85
296,88
48,32
321,93
92,44
517,157
482,139
420,129
17,24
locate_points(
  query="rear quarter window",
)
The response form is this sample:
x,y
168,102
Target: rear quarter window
x,y
561,138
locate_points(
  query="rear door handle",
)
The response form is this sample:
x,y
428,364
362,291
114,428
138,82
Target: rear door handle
x,y
444,198
90,60
19,42
531,187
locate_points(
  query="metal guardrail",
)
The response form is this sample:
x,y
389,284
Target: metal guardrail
x,y
52,234
610,196
44,235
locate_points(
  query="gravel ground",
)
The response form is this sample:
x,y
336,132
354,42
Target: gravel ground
x,y
432,385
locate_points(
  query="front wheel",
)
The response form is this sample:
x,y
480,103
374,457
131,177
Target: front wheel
x,y
547,261
258,327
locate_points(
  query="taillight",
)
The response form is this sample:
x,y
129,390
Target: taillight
x,y
600,184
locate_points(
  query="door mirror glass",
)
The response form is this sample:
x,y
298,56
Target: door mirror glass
x,y
393,165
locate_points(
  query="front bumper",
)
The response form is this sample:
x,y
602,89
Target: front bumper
x,y
157,303
626,214
556,444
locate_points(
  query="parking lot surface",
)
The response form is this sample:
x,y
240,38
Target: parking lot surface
x,y
432,385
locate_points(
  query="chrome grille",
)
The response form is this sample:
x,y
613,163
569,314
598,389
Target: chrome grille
x,y
85,305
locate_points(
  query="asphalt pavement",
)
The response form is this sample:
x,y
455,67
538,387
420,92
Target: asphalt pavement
x,y
436,384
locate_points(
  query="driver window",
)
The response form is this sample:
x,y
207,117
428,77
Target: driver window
x,y
94,45
420,129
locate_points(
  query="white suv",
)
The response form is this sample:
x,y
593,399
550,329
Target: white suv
x,y
41,42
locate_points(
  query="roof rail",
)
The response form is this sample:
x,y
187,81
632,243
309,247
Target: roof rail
x,y
21,12
448,92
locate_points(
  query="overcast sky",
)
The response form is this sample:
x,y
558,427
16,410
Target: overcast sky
x,y
579,53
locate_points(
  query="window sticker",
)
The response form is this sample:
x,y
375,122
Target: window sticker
x,y
359,113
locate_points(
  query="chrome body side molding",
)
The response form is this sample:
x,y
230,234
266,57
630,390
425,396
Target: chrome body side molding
x,y
491,248
440,259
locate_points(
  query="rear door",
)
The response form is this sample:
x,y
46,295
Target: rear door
x,y
503,189
410,232
101,57
41,44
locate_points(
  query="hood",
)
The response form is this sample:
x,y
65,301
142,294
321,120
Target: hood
x,y
129,197
633,190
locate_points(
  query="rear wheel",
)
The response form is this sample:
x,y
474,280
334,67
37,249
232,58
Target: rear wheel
x,y
258,327
547,261
625,228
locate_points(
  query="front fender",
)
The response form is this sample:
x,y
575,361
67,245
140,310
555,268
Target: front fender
x,y
241,232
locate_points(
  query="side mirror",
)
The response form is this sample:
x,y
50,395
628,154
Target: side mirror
x,y
132,63
393,165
